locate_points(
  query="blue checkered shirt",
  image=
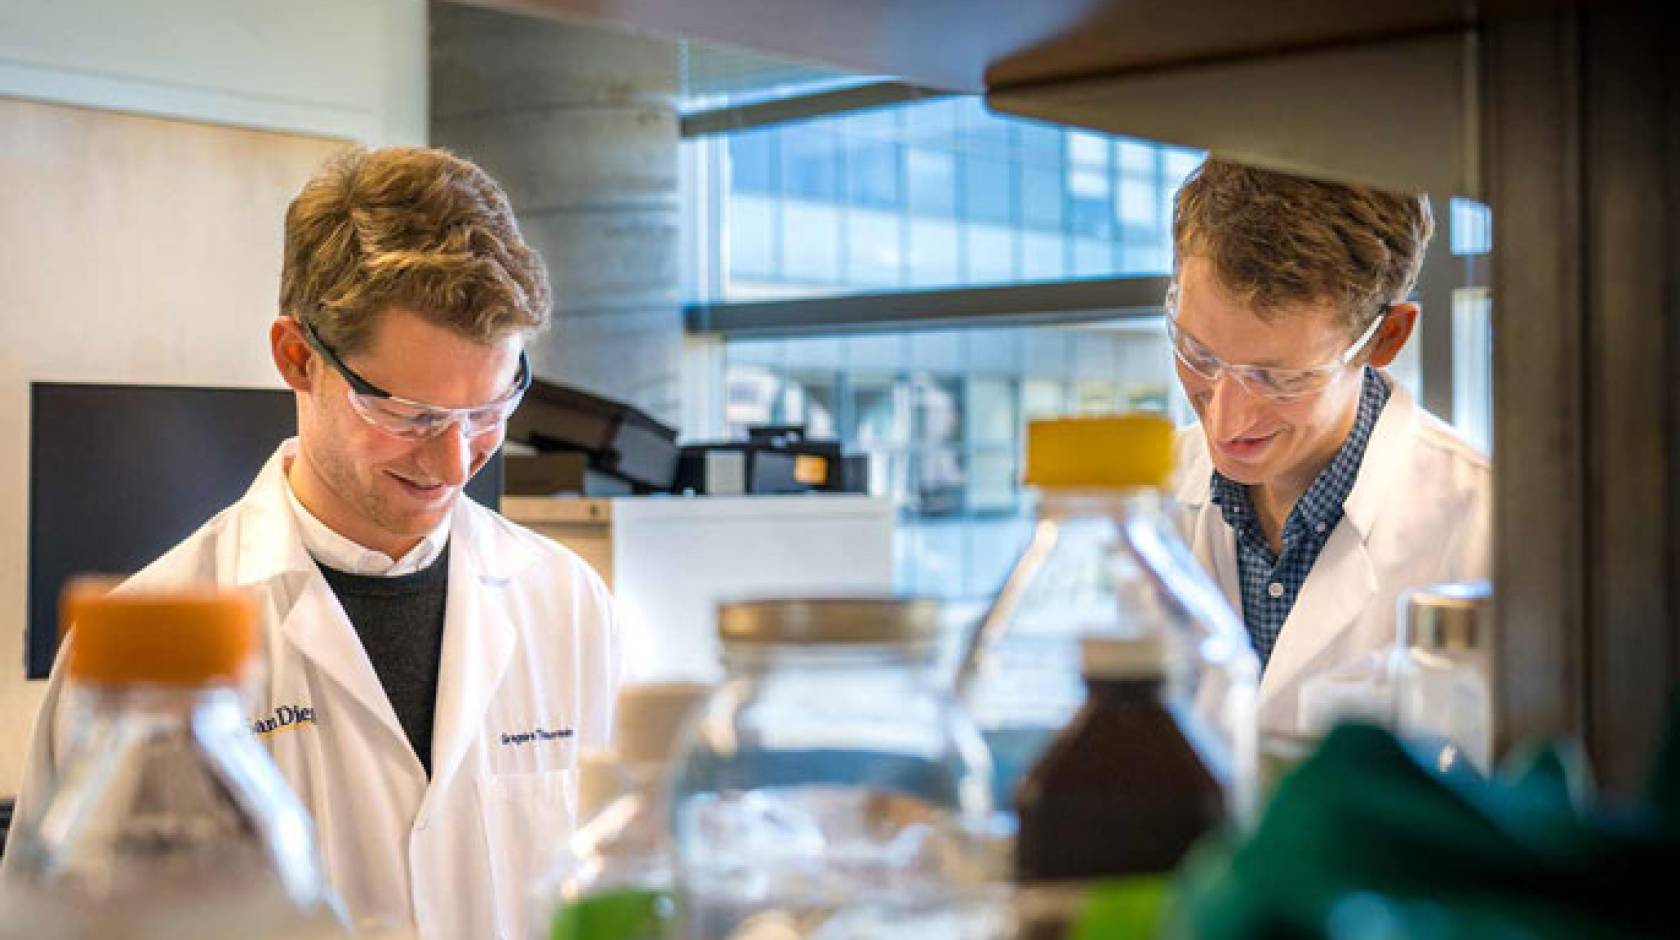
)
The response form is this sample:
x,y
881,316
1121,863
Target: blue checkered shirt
x,y
1271,582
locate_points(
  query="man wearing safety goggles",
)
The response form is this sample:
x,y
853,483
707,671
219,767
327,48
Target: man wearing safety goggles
x,y
432,670
1315,489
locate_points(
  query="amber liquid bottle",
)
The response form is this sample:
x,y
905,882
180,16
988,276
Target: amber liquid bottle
x,y
1123,789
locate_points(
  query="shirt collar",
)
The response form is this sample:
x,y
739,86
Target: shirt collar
x,y
1322,502
341,554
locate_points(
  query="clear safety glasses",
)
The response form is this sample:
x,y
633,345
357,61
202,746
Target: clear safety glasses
x,y
415,420
1269,382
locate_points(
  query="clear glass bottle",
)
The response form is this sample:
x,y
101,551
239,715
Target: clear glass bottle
x,y
613,879
1106,558
1442,676
1360,689
1125,788
169,818
830,768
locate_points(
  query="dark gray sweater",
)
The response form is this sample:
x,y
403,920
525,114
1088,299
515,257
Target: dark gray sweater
x,y
400,621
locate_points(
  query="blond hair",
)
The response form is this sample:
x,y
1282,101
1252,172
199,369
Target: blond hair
x,y
414,227
1275,240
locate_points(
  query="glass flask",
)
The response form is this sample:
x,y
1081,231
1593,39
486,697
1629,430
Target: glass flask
x,y
1106,558
612,881
830,768
1124,789
168,818
1442,674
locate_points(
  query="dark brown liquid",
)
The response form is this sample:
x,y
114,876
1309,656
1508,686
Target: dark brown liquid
x,y
1121,791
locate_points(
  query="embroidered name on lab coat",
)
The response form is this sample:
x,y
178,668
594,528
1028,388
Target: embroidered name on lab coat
x,y
512,738
285,718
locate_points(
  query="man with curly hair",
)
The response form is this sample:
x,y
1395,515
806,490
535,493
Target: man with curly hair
x,y
432,670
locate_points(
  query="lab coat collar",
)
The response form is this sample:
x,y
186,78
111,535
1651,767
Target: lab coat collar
x,y
1344,578
478,637
1384,459
271,545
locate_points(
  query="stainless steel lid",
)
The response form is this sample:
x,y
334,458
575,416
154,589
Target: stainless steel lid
x,y
1450,617
860,621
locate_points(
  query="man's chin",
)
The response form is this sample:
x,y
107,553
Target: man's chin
x,y
1238,472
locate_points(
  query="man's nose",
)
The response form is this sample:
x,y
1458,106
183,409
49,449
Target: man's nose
x,y
448,456
1231,407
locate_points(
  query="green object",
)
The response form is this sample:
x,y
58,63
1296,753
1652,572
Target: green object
x,y
1123,909
630,914
1364,841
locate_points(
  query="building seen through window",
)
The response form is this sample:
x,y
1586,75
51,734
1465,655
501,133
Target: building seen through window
x,y
934,193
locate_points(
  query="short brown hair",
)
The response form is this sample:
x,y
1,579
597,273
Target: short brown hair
x,y
1274,240
415,227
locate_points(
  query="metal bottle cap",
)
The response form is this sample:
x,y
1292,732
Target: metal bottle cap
x,y
860,621
1449,617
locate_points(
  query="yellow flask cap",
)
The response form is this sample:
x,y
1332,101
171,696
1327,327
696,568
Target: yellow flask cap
x,y
180,636
1106,452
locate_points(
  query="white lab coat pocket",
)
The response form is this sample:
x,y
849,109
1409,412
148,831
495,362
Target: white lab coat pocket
x,y
528,817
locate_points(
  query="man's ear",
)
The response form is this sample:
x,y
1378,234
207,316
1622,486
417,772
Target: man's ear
x,y
1391,337
291,351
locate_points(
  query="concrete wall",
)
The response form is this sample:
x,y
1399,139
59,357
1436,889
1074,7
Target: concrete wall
x,y
146,249
580,126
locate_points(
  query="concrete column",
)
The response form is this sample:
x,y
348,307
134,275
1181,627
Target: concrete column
x,y
579,125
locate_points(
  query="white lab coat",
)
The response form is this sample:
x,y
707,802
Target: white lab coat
x,y
1419,513
529,674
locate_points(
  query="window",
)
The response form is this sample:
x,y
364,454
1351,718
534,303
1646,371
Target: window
x,y
940,193
932,193
942,416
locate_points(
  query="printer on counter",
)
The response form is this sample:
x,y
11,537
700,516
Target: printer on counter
x,y
575,442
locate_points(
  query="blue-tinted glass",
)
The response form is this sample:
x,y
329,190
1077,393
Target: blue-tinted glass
x,y
1148,257
876,123
1089,217
1088,150
752,161
932,177
1136,203
984,132
1177,164
1470,227
988,189
1088,202
933,252
752,236
810,161
933,123
1043,256
874,251
1092,257
1039,143
811,243
991,254
873,175
1135,157
1041,198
